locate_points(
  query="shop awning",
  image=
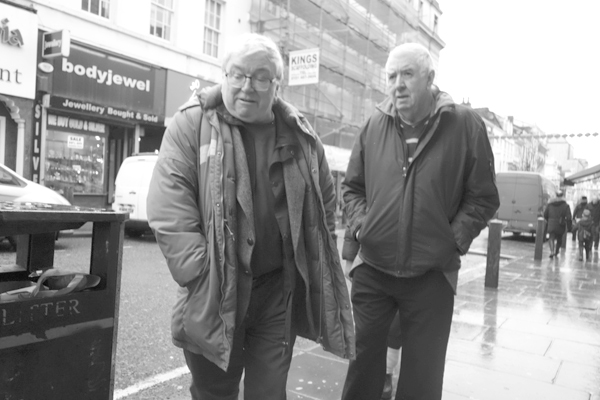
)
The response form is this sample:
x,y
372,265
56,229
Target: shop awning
x,y
588,174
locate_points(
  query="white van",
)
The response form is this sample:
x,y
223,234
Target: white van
x,y
131,191
523,197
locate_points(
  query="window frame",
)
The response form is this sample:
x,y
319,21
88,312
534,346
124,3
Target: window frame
x,y
212,31
100,3
156,24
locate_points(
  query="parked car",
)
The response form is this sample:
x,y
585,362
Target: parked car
x,y
131,191
15,188
523,197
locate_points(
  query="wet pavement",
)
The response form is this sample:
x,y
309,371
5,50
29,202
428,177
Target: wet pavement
x,y
535,337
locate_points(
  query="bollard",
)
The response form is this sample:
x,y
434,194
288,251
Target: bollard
x,y
539,238
493,254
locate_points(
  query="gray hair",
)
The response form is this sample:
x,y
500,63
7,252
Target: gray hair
x,y
255,41
422,55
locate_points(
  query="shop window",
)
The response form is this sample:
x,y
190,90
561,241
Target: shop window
x,y
96,7
161,16
75,162
212,27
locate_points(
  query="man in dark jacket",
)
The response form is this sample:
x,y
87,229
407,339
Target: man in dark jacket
x,y
558,220
594,207
577,213
418,189
242,205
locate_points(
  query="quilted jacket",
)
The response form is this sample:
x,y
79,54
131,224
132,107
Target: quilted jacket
x,y
200,209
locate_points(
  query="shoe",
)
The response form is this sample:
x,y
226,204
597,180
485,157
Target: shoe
x,y
387,388
551,255
581,258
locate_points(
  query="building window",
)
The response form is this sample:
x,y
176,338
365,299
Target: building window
x,y
161,16
420,9
435,24
97,7
212,27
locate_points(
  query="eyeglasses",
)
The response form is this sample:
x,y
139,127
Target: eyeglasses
x,y
237,80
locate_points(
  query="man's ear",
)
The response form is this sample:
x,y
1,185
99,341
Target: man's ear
x,y
431,77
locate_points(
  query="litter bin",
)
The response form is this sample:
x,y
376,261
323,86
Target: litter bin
x,y
60,347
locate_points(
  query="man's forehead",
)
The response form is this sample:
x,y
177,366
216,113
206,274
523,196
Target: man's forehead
x,y
252,60
399,65
402,61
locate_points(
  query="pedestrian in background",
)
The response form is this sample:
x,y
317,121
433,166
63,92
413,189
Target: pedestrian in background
x,y
584,234
242,205
594,207
418,189
577,212
558,221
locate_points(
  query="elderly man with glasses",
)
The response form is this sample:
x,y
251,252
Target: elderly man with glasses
x,y
242,206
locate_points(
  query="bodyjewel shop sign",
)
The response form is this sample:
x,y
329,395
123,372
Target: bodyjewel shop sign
x,y
99,83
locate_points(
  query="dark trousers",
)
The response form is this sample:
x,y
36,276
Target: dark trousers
x,y
425,304
557,239
585,244
258,351
394,339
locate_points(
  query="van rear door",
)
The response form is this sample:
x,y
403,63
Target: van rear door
x,y
506,190
132,184
528,197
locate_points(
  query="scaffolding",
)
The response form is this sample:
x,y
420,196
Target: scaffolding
x,y
354,38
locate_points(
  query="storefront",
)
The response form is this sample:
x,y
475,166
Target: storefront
x,y
180,88
18,47
98,109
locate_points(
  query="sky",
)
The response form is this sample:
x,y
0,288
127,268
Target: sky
x,y
537,60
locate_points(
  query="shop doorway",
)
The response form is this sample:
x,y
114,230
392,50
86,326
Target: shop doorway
x,y
120,146
150,142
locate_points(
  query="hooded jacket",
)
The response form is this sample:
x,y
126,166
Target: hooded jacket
x,y
558,216
421,215
200,209
585,228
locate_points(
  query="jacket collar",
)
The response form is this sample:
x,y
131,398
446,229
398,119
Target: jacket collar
x,y
211,99
443,102
556,200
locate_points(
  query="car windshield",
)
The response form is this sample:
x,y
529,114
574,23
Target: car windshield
x,y
9,178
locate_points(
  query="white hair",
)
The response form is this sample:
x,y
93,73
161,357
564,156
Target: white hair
x,y
254,41
422,55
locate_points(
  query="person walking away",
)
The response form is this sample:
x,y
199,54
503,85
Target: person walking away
x,y
558,219
584,234
419,187
242,205
577,212
594,207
